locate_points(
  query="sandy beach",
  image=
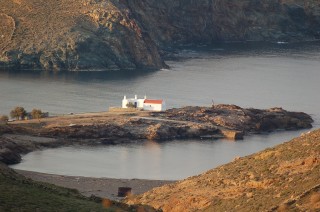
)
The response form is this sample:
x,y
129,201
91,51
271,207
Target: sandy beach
x,y
101,187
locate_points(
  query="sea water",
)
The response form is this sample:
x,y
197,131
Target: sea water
x,y
248,75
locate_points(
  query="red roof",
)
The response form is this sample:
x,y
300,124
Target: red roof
x,y
153,101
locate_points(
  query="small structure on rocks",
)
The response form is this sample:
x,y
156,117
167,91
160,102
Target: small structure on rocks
x,y
124,191
145,104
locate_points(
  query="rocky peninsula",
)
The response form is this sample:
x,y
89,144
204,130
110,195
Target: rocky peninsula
x,y
134,34
110,128
287,175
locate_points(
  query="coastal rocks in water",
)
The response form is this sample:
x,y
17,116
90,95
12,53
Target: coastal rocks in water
x,y
10,151
247,120
232,134
167,131
9,156
133,34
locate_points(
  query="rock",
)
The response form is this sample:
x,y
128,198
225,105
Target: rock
x,y
122,34
9,156
74,36
10,151
235,118
234,135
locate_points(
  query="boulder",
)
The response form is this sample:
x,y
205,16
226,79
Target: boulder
x,y
9,156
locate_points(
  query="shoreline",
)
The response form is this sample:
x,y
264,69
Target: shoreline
x,y
112,128
100,187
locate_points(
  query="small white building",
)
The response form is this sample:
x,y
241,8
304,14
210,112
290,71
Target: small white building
x,y
135,102
154,105
145,104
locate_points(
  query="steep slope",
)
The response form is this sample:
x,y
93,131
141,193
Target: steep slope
x,y
284,177
131,34
187,21
73,35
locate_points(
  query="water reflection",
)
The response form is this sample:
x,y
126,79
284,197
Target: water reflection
x,y
73,76
148,160
249,76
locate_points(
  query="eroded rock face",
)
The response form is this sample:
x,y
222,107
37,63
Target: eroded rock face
x,y
74,35
130,34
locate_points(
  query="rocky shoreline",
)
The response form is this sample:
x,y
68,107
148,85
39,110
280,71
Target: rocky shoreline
x,y
109,128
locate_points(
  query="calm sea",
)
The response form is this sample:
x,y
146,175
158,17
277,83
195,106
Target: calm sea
x,y
249,75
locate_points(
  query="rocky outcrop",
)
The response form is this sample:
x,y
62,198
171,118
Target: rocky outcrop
x,y
73,35
10,151
247,120
229,121
134,129
283,178
220,121
132,34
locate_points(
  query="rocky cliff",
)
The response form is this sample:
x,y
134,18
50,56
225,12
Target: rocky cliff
x,y
283,178
131,34
73,35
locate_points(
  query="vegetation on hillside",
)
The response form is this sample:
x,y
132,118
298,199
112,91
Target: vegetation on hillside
x,y
20,194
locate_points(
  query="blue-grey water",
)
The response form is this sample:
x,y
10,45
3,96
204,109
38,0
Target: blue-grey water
x,y
249,75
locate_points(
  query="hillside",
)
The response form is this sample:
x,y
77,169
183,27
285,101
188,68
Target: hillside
x,y
283,178
137,34
18,193
73,35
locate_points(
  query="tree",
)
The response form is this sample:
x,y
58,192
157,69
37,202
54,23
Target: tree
x,y
36,113
130,105
4,118
18,113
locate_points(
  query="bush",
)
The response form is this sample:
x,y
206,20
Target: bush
x,y
130,105
18,113
36,113
4,118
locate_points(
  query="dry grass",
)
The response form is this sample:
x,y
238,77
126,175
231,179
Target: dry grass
x,y
278,178
315,199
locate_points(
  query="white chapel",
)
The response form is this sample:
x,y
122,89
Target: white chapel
x,y
145,104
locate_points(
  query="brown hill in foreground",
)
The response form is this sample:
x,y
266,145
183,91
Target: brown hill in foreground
x,y
286,177
133,34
